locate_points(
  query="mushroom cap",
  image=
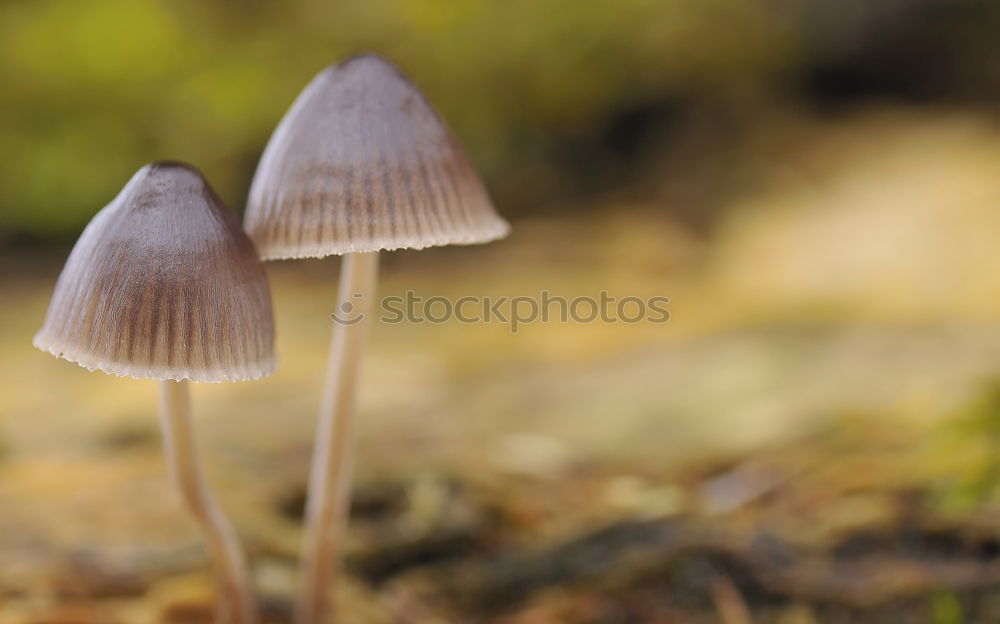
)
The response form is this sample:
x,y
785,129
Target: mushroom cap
x,y
163,284
361,162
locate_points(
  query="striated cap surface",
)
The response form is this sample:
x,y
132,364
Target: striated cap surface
x,y
163,284
361,162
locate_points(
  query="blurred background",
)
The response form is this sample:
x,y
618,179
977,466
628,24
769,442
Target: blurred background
x,y
813,437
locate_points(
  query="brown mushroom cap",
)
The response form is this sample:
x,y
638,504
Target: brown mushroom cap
x,y
361,162
163,284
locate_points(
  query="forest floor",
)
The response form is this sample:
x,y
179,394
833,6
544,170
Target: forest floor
x,y
813,437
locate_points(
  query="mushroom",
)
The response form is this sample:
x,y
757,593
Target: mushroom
x,y
164,284
359,164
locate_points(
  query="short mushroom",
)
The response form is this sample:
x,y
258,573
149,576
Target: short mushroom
x,y
164,284
359,164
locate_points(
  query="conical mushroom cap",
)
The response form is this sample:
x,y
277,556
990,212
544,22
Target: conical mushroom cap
x,y
163,284
361,162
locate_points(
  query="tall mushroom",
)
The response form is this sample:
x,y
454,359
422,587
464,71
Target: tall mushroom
x,y
359,164
164,284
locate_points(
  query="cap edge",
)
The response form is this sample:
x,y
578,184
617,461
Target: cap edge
x,y
257,371
340,248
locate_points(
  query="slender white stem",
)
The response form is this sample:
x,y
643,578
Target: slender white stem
x,y
329,497
235,598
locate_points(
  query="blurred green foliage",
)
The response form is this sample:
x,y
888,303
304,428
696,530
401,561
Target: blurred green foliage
x,y
946,608
93,90
551,97
973,433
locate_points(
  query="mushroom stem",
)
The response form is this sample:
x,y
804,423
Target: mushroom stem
x,y
330,482
235,599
